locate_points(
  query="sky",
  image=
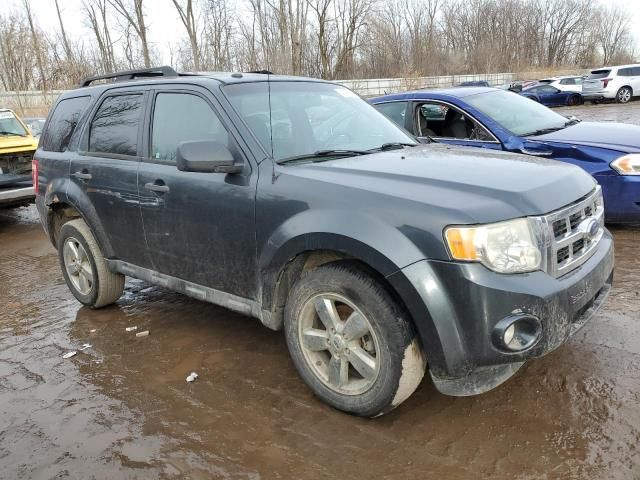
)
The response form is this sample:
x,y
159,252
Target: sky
x,y
164,24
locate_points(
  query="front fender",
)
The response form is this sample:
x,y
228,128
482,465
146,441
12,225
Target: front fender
x,y
381,246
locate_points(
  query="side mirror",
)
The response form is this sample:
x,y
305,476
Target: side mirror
x,y
206,156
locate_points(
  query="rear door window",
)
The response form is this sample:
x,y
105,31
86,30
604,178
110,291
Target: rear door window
x,y
115,126
636,72
182,117
396,111
625,72
63,123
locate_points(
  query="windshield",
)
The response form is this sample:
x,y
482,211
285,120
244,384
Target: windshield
x,y
9,125
302,118
516,113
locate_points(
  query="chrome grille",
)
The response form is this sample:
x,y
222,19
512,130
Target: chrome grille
x,y
575,232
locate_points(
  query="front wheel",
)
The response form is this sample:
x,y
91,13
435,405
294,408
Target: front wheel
x,y
84,267
624,95
350,340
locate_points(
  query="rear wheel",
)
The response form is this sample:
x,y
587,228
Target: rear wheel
x,y
624,95
84,267
574,100
350,341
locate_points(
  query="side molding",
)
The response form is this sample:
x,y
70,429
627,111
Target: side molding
x,y
207,294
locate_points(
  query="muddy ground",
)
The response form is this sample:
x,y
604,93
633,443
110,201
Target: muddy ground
x,y
122,409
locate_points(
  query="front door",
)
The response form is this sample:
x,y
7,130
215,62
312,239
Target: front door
x,y
105,170
447,124
199,227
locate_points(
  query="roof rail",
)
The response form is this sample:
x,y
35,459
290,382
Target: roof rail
x,y
164,71
263,72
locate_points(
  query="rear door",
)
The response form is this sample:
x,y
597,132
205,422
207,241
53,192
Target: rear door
x,y
105,170
199,227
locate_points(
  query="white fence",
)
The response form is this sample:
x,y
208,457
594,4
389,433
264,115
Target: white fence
x,y
38,103
382,86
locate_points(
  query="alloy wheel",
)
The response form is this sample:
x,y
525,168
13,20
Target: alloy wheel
x,y
339,344
78,265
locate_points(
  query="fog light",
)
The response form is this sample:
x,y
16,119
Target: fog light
x,y
517,333
508,334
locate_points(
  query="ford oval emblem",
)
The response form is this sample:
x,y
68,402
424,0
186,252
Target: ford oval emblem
x,y
589,227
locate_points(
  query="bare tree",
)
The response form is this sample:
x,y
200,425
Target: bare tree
x,y
35,43
96,15
132,12
614,33
188,19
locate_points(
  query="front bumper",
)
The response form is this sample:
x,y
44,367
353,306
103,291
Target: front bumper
x,y
16,196
621,197
466,301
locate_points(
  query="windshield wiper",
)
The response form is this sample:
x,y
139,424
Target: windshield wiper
x,y
572,121
324,155
13,133
542,131
392,146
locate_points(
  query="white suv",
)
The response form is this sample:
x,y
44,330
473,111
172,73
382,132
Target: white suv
x,y
569,83
619,83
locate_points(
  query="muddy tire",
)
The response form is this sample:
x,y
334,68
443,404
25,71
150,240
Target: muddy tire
x,y
84,267
350,341
624,95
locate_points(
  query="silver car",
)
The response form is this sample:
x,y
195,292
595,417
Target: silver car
x,y
620,83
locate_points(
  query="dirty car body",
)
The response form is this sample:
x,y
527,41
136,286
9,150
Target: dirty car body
x,y
499,120
311,178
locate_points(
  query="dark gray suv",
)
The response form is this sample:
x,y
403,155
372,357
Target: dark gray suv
x,y
294,201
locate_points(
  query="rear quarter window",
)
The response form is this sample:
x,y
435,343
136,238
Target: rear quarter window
x,y
63,123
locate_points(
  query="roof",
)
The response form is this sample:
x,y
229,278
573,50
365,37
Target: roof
x,y
616,66
168,74
457,92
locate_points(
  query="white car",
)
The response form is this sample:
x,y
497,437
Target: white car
x,y
569,83
620,83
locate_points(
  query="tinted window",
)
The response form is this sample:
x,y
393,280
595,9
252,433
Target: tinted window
x,y
394,110
547,89
114,128
181,117
625,72
596,74
62,124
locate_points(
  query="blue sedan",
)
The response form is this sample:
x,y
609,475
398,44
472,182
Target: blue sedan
x,y
503,120
551,96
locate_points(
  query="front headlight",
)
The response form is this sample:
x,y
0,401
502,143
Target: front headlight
x,y
505,247
627,165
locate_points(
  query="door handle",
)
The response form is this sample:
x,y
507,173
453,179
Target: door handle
x,y
157,187
82,175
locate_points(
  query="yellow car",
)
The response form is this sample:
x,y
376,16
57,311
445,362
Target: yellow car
x,y
17,146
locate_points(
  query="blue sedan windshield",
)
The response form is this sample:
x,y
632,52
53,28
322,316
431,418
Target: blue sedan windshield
x,y
517,114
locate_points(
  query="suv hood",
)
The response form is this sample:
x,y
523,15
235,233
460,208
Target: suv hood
x,y
463,185
16,143
615,136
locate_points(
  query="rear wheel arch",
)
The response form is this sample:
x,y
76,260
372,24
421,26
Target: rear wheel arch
x,y
63,211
